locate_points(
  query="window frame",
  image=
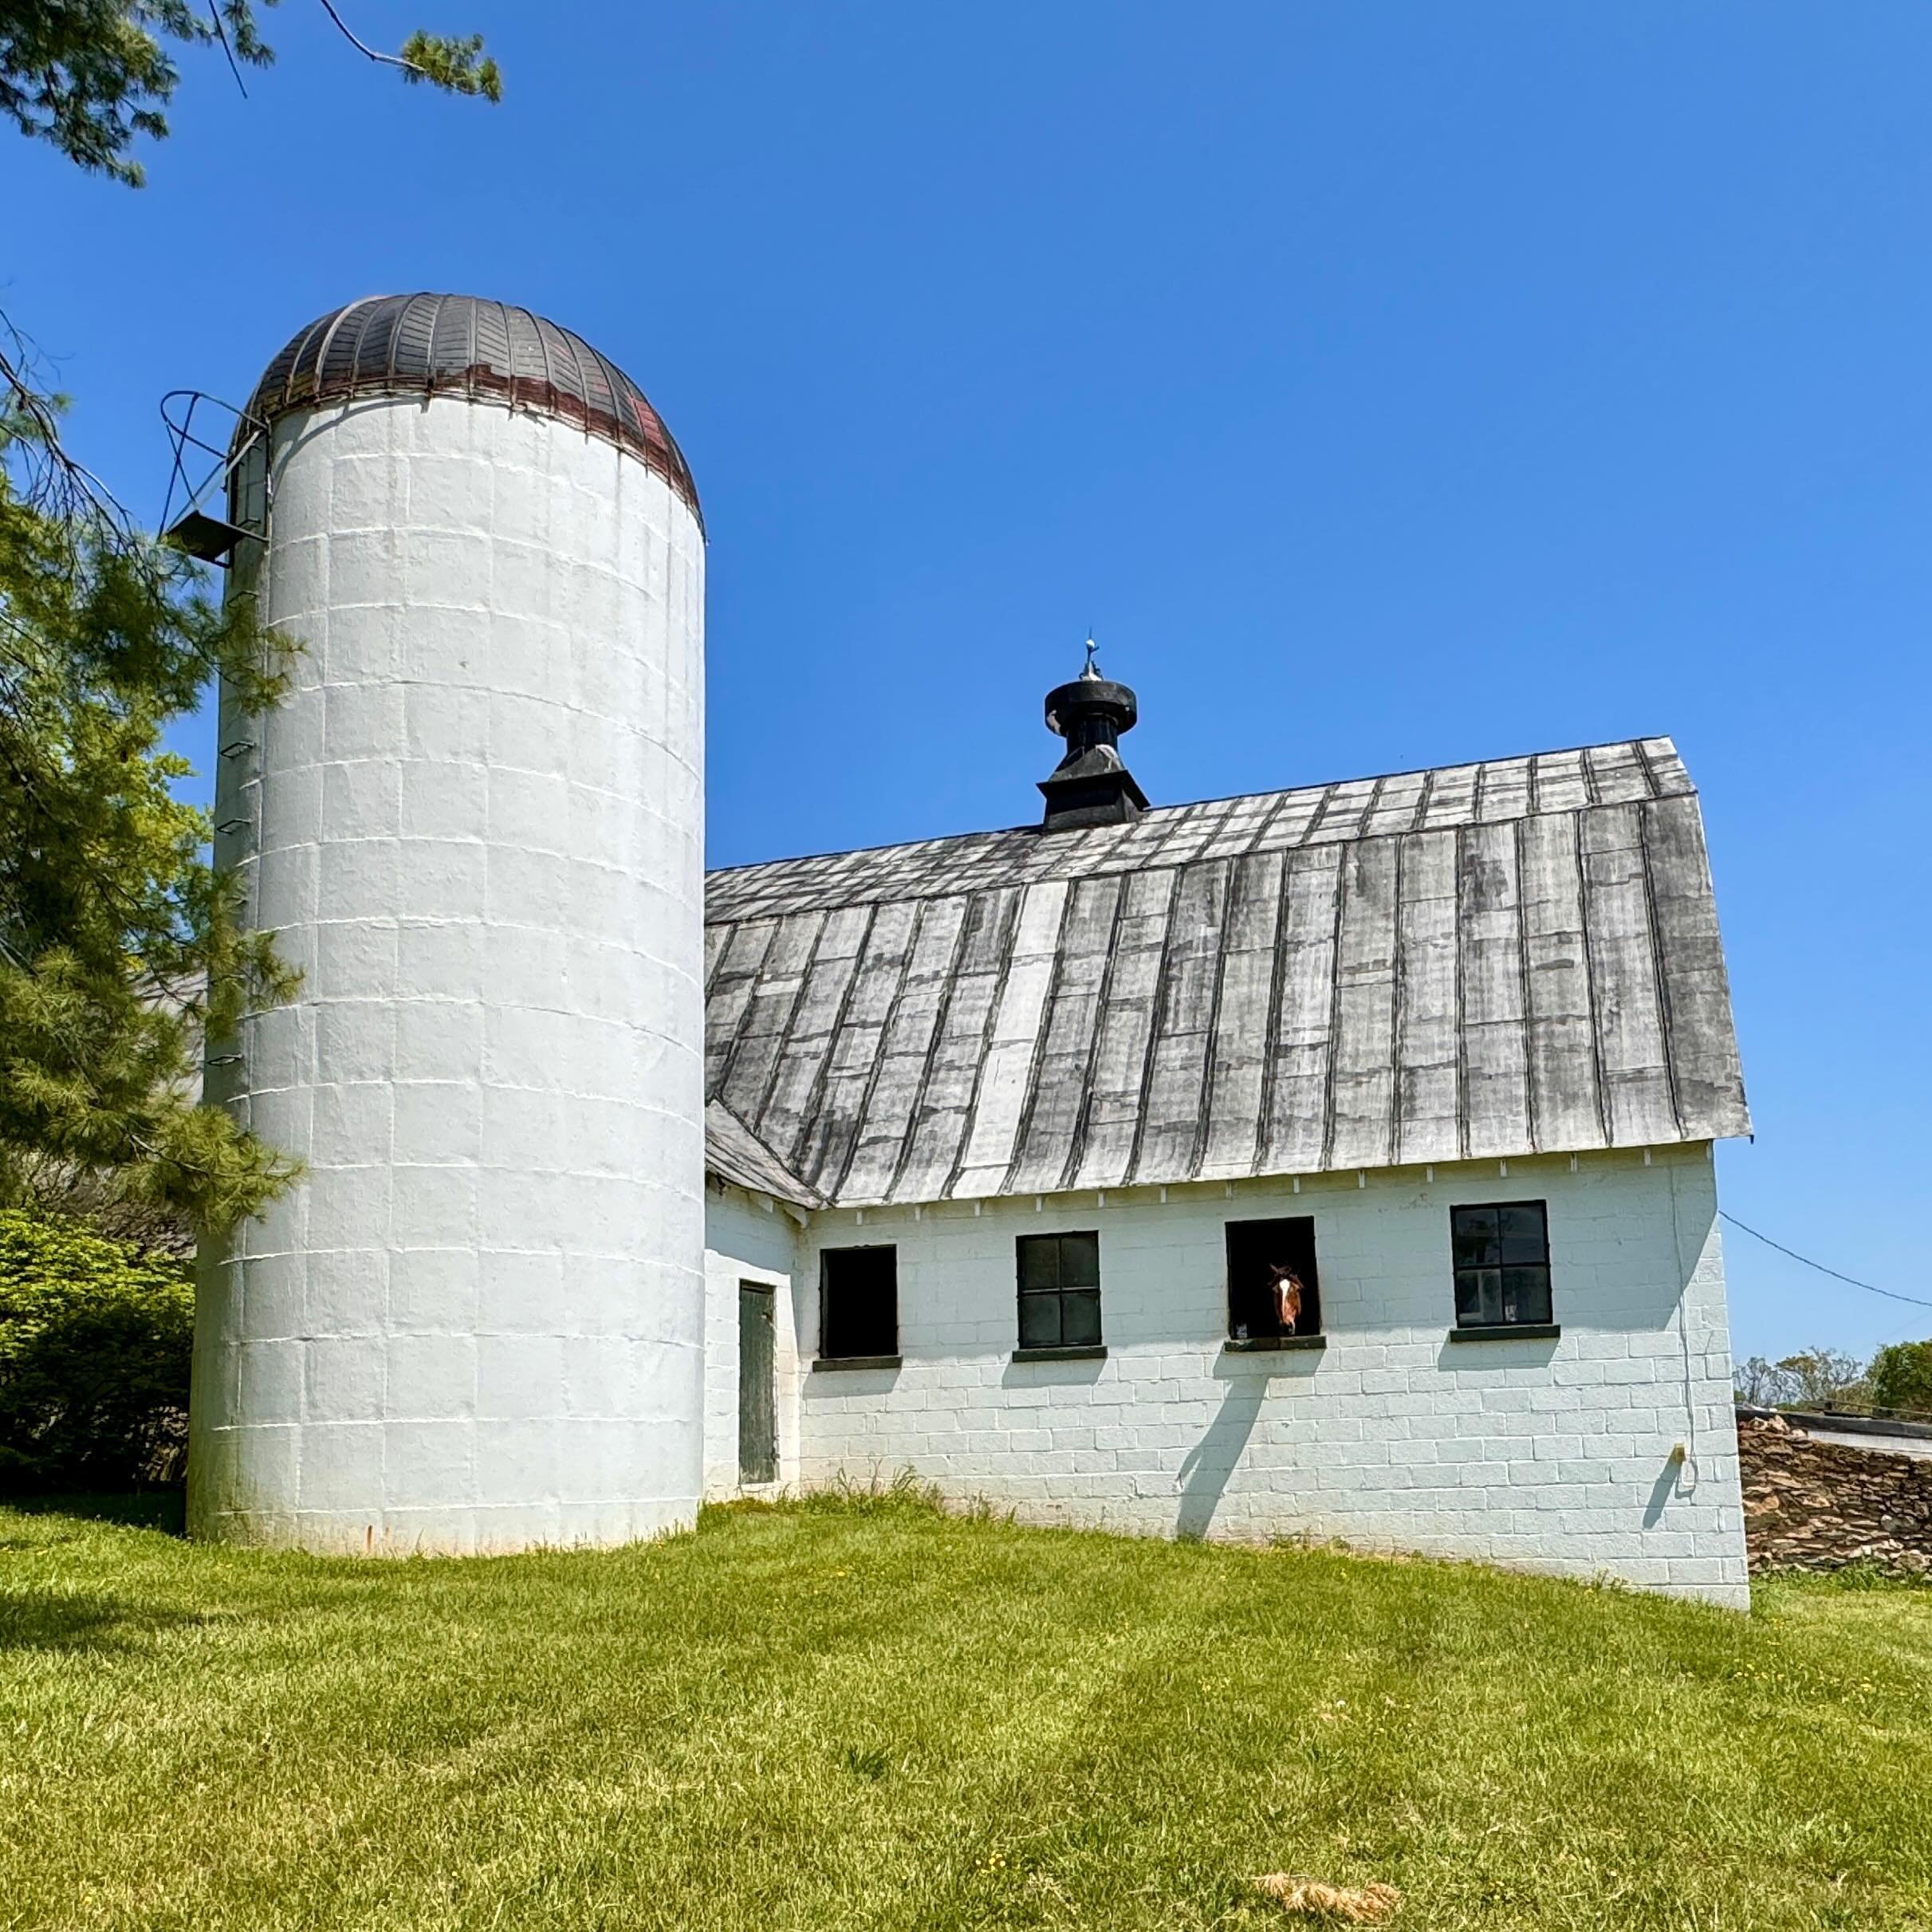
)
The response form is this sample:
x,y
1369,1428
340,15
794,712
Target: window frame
x,y
1057,1293
1271,1337
1541,1325
869,1358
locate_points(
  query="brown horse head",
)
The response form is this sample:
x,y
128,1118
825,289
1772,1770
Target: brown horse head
x,y
1285,1286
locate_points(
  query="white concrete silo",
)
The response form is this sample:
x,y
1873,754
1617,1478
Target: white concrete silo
x,y
476,825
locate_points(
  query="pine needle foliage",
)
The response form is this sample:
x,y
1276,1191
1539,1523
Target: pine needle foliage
x,y
121,950
94,77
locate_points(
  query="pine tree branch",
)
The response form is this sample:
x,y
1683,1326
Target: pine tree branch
x,y
55,481
449,64
362,46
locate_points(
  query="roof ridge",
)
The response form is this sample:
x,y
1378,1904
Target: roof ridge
x,y
1376,779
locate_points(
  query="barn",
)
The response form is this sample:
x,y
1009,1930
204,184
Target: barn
x,y
1012,1136
1334,1162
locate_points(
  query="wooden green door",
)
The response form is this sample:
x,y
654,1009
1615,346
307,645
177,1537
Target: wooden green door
x,y
757,1419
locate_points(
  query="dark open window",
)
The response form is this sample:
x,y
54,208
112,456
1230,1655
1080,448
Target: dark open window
x,y
1259,1253
858,1302
1502,1255
1060,1291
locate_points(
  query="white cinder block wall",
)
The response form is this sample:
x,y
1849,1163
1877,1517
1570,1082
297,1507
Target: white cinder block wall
x,y
1548,1455
477,824
746,1240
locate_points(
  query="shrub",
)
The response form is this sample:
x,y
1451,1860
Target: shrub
x,y
1901,1378
95,1338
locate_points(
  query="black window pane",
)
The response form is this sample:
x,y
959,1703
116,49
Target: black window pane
x,y
860,1289
1080,1261
1525,1292
1040,1321
1039,1261
1060,1290
1475,1236
1080,1310
1523,1234
1479,1301
1469,1298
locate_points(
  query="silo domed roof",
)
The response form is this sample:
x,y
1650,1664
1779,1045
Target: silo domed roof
x,y
461,345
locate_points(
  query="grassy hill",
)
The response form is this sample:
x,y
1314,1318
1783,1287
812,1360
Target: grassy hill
x,y
866,1715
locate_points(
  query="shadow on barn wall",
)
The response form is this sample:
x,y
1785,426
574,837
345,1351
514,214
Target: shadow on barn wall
x,y
1210,1462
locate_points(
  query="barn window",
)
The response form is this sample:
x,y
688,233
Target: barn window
x,y
1060,1291
1501,1258
1264,1256
858,1304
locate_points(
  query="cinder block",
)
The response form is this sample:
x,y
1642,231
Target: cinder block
x,y
355,1040
358,878
433,1207
433,1291
340,1468
439,1040
351,1124
343,1379
345,1208
518,1378
446,727
440,959
431,1377
437,1122
440,878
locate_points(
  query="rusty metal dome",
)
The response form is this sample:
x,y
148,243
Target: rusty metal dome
x,y
486,352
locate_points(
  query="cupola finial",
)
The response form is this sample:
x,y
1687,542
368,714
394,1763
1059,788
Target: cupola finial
x,y
1090,785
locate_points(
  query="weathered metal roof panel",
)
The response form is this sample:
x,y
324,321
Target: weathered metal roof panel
x,y
1487,960
732,1152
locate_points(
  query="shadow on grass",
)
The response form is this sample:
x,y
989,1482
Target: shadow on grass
x,y
56,1620
70,1620
162,1509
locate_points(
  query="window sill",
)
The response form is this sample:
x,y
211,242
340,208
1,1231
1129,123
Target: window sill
x,y
1509,1332
826,1363
1094,1352
1271,1344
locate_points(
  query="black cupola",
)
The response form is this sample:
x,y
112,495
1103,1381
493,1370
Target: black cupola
x,y
1090,786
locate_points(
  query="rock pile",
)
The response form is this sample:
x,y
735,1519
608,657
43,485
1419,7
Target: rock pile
x,y
1814,1506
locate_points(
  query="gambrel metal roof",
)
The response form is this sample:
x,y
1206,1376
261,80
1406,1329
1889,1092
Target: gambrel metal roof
x,y
1505,958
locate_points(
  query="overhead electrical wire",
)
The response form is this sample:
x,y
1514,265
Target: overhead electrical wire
x,y
1916,1301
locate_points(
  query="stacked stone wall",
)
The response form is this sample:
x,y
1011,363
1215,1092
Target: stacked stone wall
x,y
1811,1505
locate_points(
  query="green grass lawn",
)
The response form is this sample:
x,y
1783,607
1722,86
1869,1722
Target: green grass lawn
x,y
831,1715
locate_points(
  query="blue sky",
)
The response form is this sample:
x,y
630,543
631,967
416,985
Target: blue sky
x,y
1386,385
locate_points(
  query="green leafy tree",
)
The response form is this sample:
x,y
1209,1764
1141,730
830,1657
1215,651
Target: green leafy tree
x,y
1812,1379
120,946
1901,1379
95,1342
1821,1378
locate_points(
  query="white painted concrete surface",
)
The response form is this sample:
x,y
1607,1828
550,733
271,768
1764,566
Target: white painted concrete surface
x,y
1556,1456
745,1240
477,824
